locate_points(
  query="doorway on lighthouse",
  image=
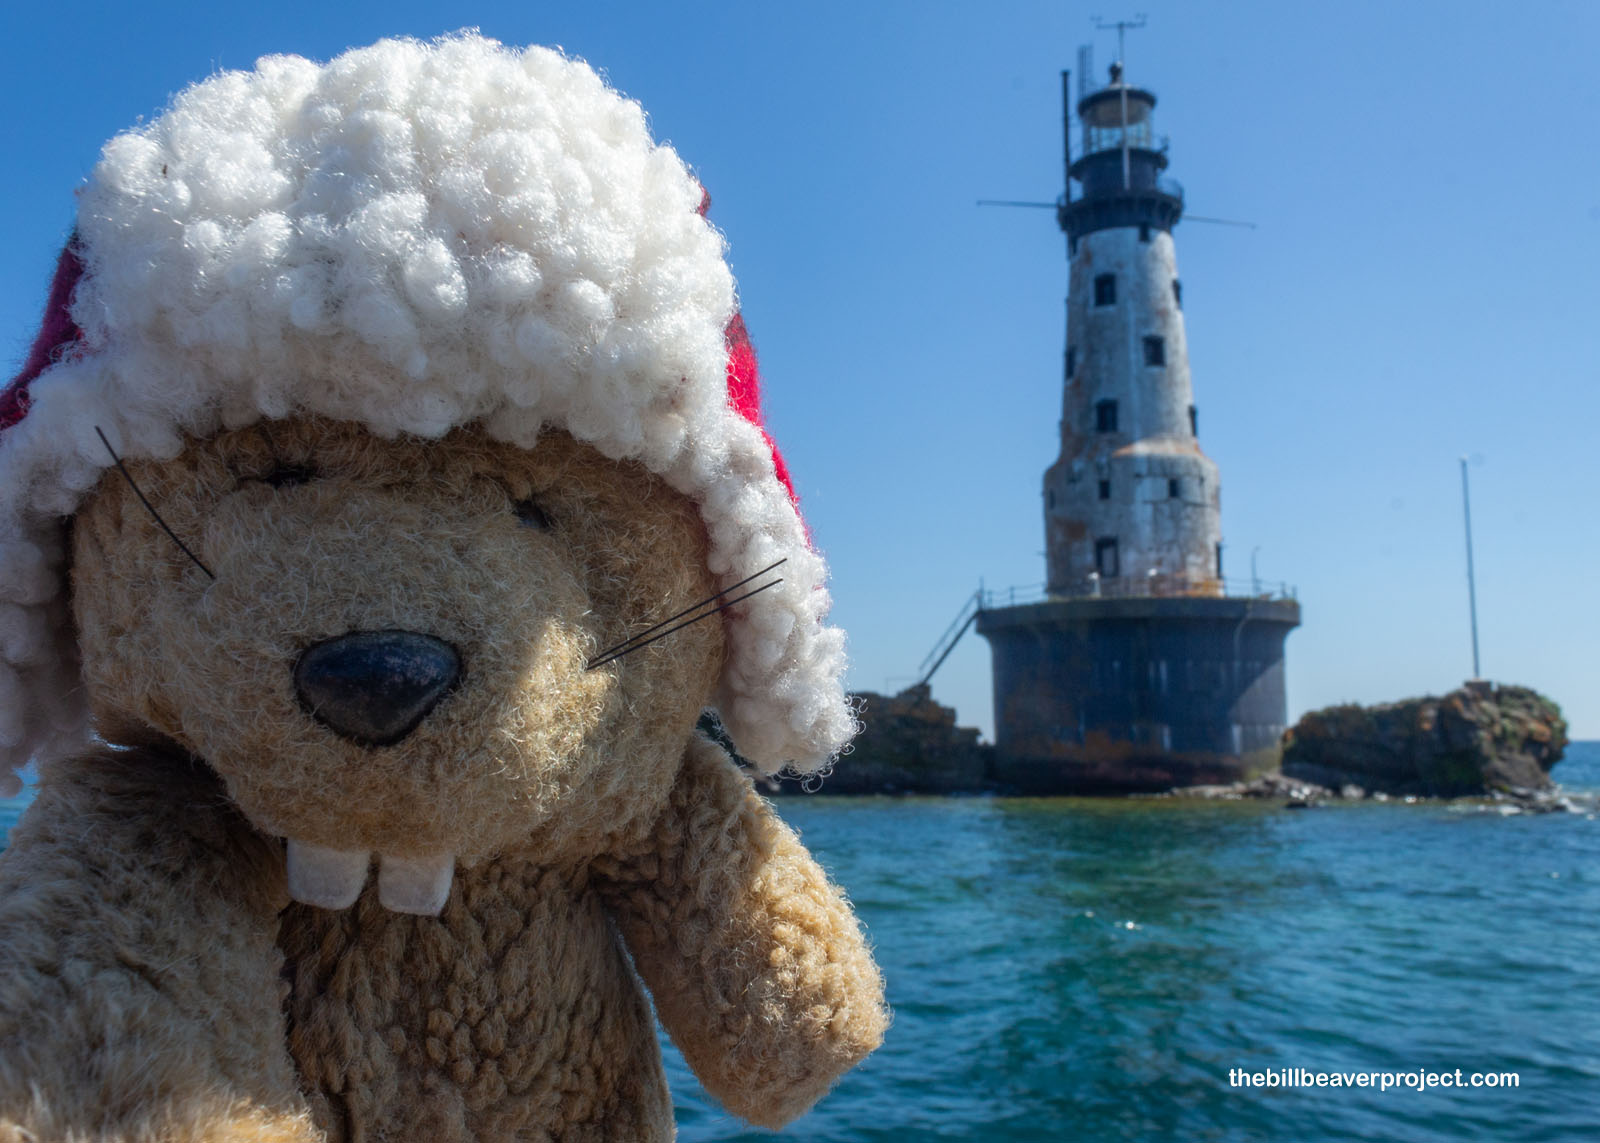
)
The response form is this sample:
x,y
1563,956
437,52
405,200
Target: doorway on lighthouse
x,y
1105,557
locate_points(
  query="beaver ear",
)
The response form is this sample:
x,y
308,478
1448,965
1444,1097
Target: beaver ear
x,y
102,720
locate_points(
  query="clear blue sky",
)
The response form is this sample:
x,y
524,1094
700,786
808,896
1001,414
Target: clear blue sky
x,y
1423,283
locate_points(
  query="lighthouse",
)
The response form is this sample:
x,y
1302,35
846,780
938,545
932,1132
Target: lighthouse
x,y
1133,504
1138,668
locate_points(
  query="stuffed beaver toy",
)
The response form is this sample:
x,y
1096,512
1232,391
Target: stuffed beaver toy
x,y
381,507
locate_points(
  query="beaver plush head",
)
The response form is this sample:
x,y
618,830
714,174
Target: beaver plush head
x,y
447,260
384,646
388,487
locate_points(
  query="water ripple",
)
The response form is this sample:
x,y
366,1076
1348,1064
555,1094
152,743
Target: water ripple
x,y
1066,969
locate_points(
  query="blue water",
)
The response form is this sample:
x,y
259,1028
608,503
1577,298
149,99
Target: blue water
x,y
1070,969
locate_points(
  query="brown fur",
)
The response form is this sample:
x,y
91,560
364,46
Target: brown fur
x,y
746,947
141,994
160,986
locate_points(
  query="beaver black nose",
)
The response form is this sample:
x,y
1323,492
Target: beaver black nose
x,y
374,687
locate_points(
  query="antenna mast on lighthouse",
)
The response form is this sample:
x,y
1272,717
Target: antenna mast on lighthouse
x,y
1116,70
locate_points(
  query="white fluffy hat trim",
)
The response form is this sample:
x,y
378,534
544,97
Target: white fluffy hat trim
x,y
414,236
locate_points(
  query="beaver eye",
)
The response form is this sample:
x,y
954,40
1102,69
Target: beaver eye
x,y
529,512
286,475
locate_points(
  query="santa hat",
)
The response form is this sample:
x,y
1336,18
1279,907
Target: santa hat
x,y
413,237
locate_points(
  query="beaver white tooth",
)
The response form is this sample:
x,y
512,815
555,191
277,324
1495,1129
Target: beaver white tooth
x,y
419,885
326,878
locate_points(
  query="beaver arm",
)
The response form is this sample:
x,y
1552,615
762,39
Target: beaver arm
x,y
139,979
756,962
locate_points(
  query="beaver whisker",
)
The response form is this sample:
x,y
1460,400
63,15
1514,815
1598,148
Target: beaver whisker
x,y
149,507
630,646
618,648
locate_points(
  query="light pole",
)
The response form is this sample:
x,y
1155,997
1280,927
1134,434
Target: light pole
x,y
1472,589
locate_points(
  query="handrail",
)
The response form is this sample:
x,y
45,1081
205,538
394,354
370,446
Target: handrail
x,y
1152,586
1140,587
952,635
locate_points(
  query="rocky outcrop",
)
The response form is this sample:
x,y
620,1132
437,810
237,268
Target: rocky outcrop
x,y
1480,740
1271,786
1298,794
909,744
1476,740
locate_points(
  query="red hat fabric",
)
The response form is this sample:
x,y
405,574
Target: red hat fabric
x,y
56,333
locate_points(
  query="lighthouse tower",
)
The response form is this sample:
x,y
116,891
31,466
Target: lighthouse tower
x,y
1138,669
1132,505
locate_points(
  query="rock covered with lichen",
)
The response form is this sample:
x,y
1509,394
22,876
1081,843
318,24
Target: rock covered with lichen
x,y
1478,739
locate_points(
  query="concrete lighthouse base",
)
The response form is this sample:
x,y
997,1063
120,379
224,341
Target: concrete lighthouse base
x,y
1096,695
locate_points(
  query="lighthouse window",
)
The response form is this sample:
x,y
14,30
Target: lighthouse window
x,y
1105,416
1072,360
1177,292
1172,487
1155,351
1105,490
1194,421
1105,290
1144,232
1105,557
